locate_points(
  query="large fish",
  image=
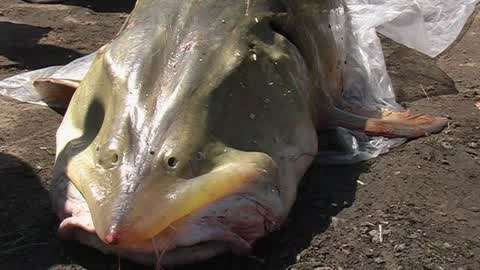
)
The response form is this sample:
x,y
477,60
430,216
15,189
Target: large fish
x,y
192,129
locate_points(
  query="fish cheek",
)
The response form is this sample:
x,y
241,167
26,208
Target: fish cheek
x,y
78,135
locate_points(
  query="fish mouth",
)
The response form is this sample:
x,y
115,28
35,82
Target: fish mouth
x,y
232,223
154,252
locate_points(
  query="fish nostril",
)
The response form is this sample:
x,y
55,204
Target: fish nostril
x,y
108,159
114,158
172,162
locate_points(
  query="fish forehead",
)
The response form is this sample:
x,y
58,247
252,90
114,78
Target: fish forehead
x,y
169,50
162,38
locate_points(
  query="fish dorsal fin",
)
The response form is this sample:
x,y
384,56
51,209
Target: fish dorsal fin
x,y
56,93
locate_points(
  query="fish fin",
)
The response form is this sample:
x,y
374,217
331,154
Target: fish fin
x,y
391,124
57,93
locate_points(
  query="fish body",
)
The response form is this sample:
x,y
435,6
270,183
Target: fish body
x,y
192,129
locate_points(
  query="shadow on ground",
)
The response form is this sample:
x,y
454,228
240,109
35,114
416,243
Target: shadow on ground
x,y
25,217
104,5
20,44
324,192
28,238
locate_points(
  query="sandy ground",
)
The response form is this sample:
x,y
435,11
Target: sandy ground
x,y
424,194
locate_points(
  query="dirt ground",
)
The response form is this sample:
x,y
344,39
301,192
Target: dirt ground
x,y
424,195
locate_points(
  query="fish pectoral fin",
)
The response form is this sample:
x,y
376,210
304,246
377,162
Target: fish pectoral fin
x,y
57,93
391,124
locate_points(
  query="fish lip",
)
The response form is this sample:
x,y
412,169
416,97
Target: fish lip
x,y
148,253
79,226
72,223
178,255
71,229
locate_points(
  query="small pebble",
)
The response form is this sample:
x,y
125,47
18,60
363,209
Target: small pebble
x,y
379,260
473,145
413,236
447,145
428,266
400,247
471,152
361,183
369,253
455,125
475,209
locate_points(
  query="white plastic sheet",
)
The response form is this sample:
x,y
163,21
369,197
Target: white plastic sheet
x,y
429,26
20,86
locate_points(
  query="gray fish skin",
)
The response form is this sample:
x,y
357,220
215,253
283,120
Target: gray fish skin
x,y
192,129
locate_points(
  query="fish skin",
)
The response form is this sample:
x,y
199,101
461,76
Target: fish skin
x,y
192,129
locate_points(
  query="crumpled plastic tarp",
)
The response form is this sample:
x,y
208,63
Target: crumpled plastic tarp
x,y
429,26
21,87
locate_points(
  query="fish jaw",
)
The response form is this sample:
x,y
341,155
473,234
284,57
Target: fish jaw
x,y
232,223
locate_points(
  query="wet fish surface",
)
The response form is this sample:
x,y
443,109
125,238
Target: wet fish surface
x,y
192,129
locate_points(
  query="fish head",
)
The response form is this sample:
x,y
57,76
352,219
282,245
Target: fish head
x,y
188,135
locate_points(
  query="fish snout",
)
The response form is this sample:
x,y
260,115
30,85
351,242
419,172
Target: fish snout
x,y
231,203
138,209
